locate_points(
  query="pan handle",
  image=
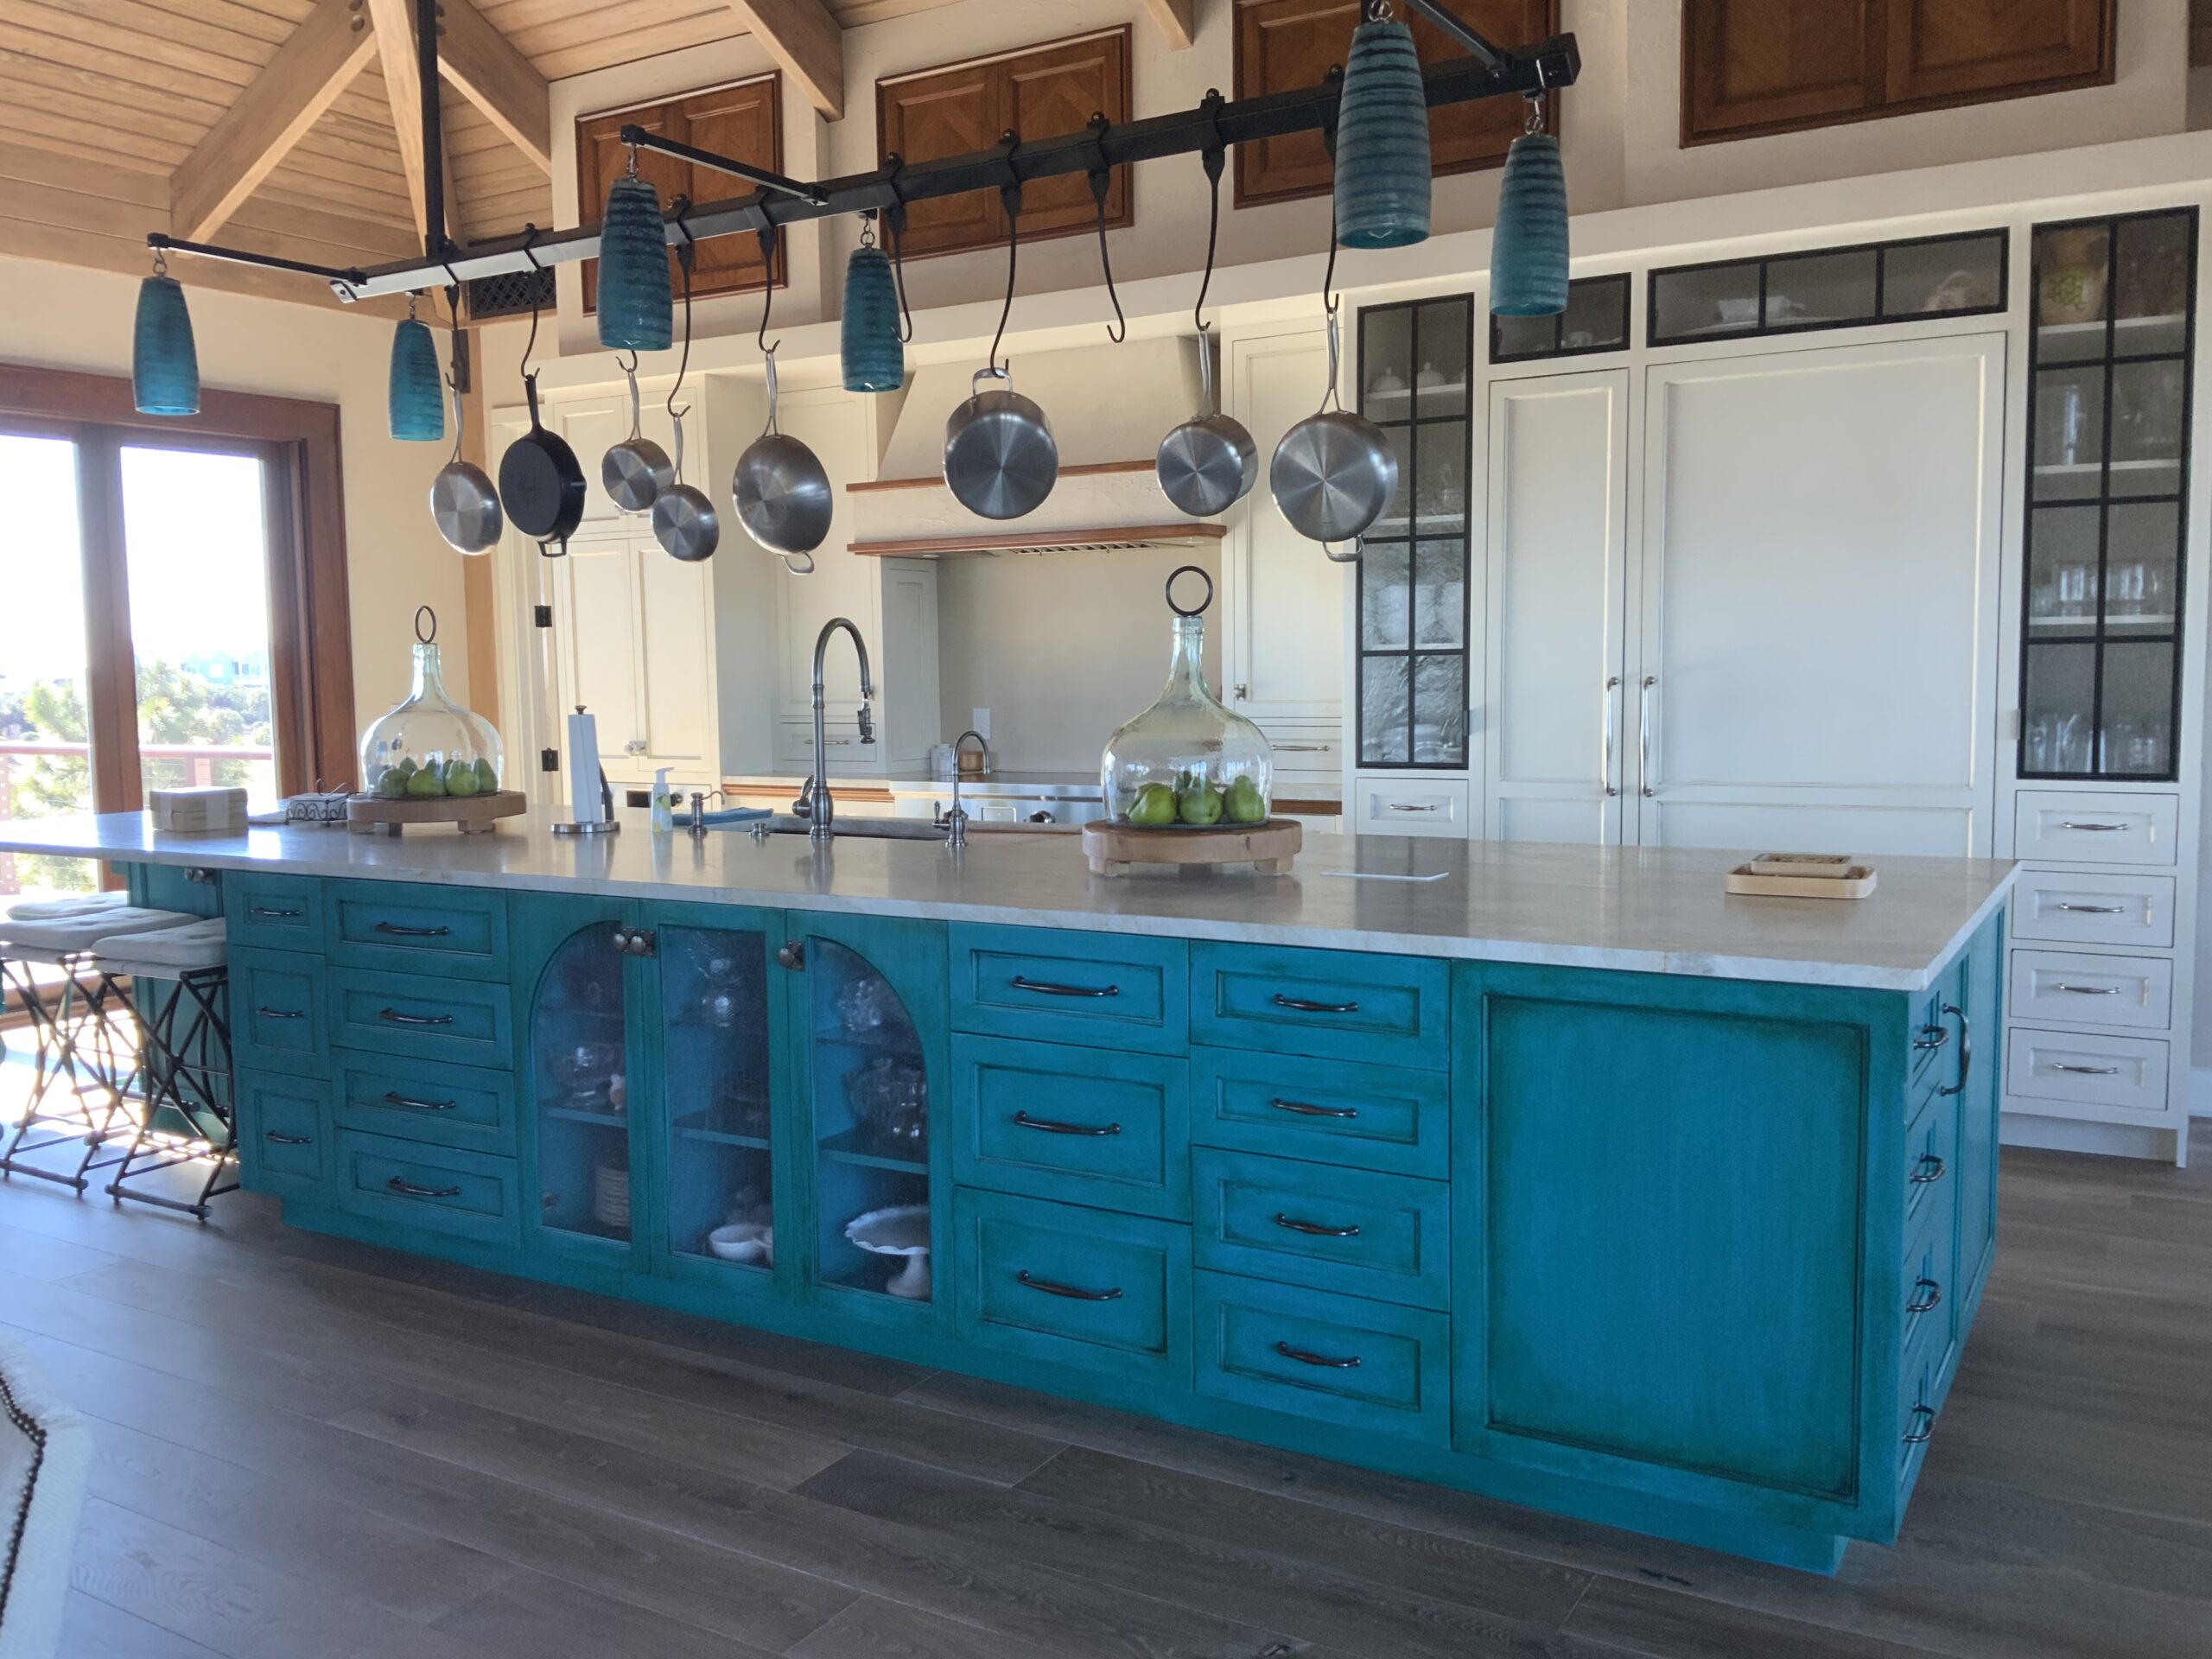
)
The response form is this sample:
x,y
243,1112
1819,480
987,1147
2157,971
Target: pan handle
x,y
630,373
1208,401
678,421
530,391
771,364
994,372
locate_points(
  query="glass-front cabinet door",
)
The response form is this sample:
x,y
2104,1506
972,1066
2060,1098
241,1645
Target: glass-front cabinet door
x,y
2114,314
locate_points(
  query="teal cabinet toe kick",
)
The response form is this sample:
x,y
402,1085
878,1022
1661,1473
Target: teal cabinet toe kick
x,y
1696,1256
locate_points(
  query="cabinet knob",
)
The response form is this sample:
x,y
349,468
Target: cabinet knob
x,y
792,956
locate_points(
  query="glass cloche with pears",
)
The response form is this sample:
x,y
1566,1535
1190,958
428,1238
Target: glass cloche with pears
x,y
1188,762
429,747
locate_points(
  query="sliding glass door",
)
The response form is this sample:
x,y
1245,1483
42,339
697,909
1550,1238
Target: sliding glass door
x,y
45,681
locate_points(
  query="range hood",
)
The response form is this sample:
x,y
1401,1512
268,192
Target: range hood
x,y
1110,407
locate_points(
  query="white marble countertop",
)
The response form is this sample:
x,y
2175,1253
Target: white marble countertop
x,y
1640,909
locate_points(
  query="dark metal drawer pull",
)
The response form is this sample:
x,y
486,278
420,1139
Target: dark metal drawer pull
x,y
2086,1071
1930,1169
1928,1294
275,1139
268,1013
2086,990
1050,1128
1299,1007
275,915
1347,1363
1044,987
393,1097
399,1019
1923,1418
1932,1037
2094,910
400,1186
1069,1291
1966,1049
399,932
1313,1228
1305,1110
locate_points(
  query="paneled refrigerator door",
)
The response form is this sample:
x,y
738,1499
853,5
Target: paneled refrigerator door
x,y
1557,748
1815,660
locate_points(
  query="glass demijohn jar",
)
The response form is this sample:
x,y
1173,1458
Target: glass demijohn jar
x,y
430,746
1187,762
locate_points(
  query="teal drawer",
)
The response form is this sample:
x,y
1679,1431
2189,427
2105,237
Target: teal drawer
x,y
1931,1152
285,1137
460,931
1366,1365
279,911
1920,1396
1351,1230
1335,1004
1099,989
1073,1286
429,1019
1934,1034
1087,1125
425,1100
434,1189
278,1020
1334,1111
1929,1298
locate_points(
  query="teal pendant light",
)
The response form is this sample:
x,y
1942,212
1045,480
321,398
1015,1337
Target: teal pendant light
x,y
637,304
164,364
1528,249
875,358
416,393
1383,166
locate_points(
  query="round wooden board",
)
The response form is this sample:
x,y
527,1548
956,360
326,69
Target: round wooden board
x,y
1112,849
472,815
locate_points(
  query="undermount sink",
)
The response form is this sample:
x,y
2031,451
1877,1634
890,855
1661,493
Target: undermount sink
x,y
783,824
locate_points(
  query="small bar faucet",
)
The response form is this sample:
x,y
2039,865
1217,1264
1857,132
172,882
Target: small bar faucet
x,y
815,803
956,821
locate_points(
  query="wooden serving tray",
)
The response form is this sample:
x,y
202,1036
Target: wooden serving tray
x,y
1112,849
472,815
1855,882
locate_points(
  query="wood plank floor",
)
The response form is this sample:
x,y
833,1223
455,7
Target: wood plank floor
x,y
312,1448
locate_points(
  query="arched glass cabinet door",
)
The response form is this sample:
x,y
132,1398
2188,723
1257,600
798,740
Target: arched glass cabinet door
x,y
580,1076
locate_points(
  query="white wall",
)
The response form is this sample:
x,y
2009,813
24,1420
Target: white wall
x,y
61,317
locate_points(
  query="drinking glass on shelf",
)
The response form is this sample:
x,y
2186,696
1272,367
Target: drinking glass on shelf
x,y
2124,585
2070,745
2076,590
2158,590
2038,744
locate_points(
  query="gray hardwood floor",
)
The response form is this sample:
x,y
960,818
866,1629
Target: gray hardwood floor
x,y
309,1450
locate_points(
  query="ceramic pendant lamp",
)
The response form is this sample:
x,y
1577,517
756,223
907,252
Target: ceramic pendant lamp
x,y
637,304
1383,168
873,357
1527,265
164,363
416,393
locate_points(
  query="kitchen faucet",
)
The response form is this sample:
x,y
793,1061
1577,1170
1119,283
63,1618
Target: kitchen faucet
x,y
815,803
956,821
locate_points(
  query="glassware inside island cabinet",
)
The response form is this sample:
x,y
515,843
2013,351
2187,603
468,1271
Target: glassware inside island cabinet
x,y
579,1075
2108,422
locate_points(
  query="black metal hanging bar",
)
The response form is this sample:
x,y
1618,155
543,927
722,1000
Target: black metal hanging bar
x,y
756,176
435,242
1469,40
351,277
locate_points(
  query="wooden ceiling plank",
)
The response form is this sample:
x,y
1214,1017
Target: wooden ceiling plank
x,y
807,45
247,142
393,23
485,68
63,37
1178,24
149,30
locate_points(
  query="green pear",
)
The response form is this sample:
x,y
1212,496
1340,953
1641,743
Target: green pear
x,y
1200,804
461,779
1154,807
487,776
390,784
1246,804
425,783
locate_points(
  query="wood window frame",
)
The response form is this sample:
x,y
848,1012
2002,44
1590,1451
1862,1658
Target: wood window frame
x,y
310,618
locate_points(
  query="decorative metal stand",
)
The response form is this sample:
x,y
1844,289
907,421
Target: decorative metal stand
x,y
187,1110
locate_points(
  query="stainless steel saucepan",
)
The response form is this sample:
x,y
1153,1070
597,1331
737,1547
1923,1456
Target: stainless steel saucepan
x,y
1334,472
685,523
462,500
1000,458
635,471
783,493
1209,463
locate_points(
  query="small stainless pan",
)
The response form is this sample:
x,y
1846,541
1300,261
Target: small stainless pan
x,y
685,523
635,471
1209,463
1334,473
462,500
783,495
1000,458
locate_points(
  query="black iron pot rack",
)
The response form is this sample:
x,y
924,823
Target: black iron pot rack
x,y
1488,71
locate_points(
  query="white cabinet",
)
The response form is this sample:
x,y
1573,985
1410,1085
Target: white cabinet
x,y
635,645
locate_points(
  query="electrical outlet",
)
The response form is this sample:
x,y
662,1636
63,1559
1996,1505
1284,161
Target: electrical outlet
x,y
980,723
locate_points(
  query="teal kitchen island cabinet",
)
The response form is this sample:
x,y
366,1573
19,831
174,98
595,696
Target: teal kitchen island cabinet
x,y
1553,1174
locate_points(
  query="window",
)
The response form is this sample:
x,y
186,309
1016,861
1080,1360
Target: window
x,y
743,121
1829,288
1596,320
965,108
1283,45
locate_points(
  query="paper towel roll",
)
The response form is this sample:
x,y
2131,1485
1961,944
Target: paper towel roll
x,y
584,769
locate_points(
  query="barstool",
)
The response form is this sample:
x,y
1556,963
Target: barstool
x,y
183,1071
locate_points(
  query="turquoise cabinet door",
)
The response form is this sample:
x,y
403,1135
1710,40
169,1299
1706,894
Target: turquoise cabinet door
x,y
1664,1207
867,1026
1980,1061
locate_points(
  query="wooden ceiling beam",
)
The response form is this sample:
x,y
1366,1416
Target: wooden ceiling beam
x,y
480,65
806,43
331,47
1177,20
394,24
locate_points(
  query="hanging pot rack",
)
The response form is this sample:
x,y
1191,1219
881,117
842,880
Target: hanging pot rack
x,y
1487,71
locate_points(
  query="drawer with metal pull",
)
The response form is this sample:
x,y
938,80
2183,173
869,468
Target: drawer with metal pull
x,y
1351,1230
1927,1298
459,931
277,1018
1398,806
2070,988
1927,1350
1332,1004
440,1189
1073,1286
2092,827
1107,990
283,913
1942,1037
435,1100
283,1134
1090,1126
1367,1365
2086,908
1931,1150
468,1021
2065,1071
1389,1118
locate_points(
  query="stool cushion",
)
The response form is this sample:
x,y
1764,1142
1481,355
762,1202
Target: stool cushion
x,y
164,952
46,909
46,1459
63,934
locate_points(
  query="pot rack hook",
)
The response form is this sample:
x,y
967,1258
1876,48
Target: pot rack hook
x,y
1351,556
629,369
1214,157
687,253
894,231
1101,185
530,235
767,234
1010,198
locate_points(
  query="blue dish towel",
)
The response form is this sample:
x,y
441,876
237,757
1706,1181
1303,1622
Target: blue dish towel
x,y
728,820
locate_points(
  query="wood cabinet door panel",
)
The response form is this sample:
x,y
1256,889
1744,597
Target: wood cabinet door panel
x,y
1058,90
601,158
743,123
1757,63
926,117
1956,48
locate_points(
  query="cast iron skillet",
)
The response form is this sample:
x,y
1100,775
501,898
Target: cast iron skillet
x,y
541,482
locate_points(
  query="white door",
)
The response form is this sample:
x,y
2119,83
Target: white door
x,y
1557,576
1816,635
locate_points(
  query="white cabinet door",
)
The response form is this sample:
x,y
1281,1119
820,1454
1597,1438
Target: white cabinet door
x,y
599,633
1816,643
593,426
676,663
1557,571
838,426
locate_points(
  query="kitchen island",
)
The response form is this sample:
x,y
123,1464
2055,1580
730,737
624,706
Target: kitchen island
x,y
1549,1172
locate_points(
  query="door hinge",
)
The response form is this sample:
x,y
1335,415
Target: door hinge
x,y
634,941
792,955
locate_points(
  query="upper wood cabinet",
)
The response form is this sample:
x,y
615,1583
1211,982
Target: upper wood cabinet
x,y
1282,44
1752,67
966,107
743,121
